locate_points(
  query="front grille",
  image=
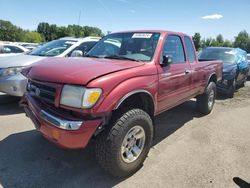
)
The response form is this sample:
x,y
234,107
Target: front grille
x,y
42,91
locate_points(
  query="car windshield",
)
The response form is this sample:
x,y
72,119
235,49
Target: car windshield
x,y
132,46
53,48
226,55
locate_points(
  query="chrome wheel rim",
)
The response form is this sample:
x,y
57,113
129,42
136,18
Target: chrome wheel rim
x,y
211,99
133,144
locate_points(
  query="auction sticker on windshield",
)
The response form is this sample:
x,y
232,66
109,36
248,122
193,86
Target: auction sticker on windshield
x,y
70,42
142,35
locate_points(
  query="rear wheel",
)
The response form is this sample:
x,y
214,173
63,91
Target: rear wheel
x,y
122,148
205,102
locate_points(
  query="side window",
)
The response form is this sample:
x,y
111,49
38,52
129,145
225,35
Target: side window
x,y
173,47
190,50
14,49
6,50
84,47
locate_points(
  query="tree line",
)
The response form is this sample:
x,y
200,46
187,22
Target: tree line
x,y
242,40
44,32
47,32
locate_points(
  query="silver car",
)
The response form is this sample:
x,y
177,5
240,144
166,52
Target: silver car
x,y
12,82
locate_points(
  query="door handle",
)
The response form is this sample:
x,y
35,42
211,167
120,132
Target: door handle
x,y
187,71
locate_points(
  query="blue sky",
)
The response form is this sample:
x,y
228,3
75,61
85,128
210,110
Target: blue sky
x,y
209,17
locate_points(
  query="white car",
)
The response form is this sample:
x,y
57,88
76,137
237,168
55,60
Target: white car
x,y
12,82
11,49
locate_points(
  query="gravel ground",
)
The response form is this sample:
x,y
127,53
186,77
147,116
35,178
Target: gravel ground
x,y
189,151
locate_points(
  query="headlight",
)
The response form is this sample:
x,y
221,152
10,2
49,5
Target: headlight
x,y
11,71
79,97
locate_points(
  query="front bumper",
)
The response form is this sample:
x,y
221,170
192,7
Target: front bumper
x,y
223,86
58,128
13,85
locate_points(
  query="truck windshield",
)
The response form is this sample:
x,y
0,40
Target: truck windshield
x,y
53,48
135,46
226,55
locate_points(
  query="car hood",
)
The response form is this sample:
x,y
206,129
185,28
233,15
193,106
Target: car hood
x,y
77,70
228,67
19,60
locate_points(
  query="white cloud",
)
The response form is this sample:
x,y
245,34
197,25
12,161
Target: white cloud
x,y
212,17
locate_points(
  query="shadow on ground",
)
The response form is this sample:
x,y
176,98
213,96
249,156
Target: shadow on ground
x,y
28,160
9,105
241,183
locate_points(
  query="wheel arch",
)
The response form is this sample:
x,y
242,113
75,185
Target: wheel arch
x,y
139,98
212,78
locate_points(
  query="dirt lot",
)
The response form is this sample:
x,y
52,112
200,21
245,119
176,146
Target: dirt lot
x,y
189,151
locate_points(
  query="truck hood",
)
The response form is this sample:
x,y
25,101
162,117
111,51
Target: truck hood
x,y
77,70
229,67
19,60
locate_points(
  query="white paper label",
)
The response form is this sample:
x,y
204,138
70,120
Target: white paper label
x,y
70,42
142,35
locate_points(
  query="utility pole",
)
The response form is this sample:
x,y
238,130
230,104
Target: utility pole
x,y
79,18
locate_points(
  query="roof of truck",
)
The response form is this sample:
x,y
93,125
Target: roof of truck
x,y
151,31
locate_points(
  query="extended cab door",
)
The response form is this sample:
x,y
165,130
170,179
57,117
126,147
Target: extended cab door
x,y
174,79
196,69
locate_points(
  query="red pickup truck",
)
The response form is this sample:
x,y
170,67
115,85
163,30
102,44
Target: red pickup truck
x,y
113,94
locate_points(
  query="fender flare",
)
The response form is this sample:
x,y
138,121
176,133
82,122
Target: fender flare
x,y
132,93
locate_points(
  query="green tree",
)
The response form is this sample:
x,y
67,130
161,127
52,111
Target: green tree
x,y
32,36
63,32
242,41
10,32
44,29
220,40
197,40
227,43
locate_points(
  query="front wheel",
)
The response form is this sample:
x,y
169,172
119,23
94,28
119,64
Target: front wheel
x,y
205,102
122,148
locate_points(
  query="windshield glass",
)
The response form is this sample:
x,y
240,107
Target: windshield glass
x,y
226,55
53,48
130,46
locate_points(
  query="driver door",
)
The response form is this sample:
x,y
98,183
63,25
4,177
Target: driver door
x,y
174,79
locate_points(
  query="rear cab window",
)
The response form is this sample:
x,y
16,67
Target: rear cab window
x,y
190,52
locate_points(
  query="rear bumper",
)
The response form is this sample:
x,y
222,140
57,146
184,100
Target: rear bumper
x,y
13,85
54,127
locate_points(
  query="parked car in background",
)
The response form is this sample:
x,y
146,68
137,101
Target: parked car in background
x,y
12,82
114,93
235,67
29,46
248,60
11,49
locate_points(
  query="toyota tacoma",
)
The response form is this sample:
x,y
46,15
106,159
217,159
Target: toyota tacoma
x,y
112,95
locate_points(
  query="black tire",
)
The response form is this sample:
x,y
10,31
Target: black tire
x,y
203,101
243,83
232,89
109,142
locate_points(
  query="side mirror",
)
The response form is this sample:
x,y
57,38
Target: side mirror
x,y
77,53
166,60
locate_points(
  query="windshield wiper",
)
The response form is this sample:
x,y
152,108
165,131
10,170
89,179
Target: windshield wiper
x,y
120,57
